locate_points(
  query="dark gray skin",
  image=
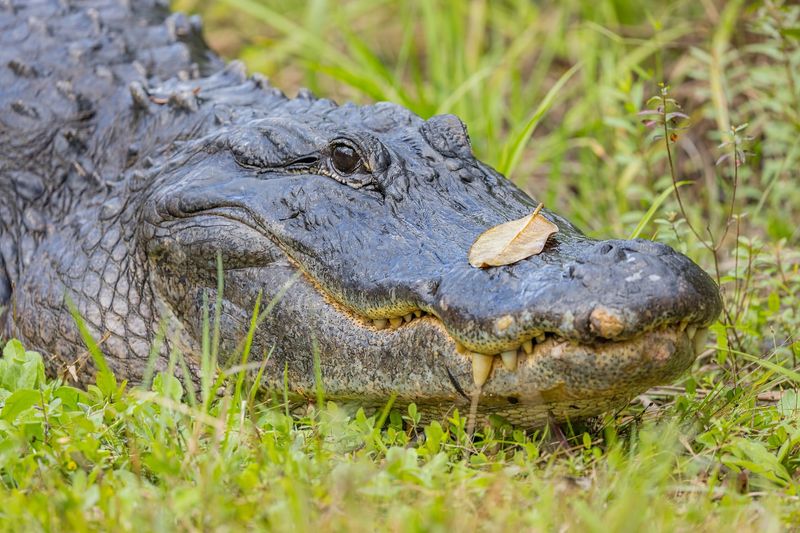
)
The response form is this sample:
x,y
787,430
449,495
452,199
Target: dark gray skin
x,y
131,157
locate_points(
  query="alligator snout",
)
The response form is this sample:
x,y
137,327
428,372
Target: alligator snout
x,y
638,285
582,291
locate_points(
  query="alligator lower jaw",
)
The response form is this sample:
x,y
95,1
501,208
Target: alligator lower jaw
x,y
558,380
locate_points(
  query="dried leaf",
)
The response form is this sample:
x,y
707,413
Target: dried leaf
x,y
512,241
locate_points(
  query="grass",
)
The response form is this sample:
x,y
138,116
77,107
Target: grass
x,y
553,95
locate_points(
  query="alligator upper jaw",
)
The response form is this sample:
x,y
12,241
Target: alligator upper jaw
x,y
578,289
384,258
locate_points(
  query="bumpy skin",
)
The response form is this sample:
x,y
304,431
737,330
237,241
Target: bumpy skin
x,y
131,156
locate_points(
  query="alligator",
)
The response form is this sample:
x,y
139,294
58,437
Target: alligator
x,y
135,164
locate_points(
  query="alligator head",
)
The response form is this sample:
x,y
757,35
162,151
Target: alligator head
x,y
359,221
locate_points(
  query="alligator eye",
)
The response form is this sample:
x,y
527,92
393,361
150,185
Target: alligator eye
x,y
345,159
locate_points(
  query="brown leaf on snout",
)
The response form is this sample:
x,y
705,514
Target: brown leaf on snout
x,y
512,241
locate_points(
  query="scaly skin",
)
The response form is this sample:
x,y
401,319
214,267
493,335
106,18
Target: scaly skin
x,y
131,157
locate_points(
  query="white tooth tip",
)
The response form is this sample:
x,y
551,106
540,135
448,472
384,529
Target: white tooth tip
x,y
690,331
528,347
699,340
380,323
395,321
540,337
481,368
417,313
509,360
408,317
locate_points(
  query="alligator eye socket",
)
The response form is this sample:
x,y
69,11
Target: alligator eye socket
x,y
345,159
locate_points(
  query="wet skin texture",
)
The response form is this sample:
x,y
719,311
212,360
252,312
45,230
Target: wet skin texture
x,y
130,157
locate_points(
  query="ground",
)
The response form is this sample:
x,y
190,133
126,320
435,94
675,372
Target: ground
x,y
558,97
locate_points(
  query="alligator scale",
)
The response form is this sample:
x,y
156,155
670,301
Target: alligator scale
x,y
131,157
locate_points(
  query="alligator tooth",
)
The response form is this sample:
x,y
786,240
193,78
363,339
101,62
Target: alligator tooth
x,y
509,360
417,313
682,325
408,317
541,337
700,340
380,323
395,321
690,331
528,347
481,367
460,348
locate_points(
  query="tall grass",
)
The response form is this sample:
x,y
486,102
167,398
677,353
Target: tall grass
x,y
552,94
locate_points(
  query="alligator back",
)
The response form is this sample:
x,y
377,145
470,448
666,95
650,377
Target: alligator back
x,y
70,73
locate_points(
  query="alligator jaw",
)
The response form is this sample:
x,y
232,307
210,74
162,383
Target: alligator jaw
x,y
573,332
615,368
417,360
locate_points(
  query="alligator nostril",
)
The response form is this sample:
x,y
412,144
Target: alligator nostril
x,y
612,251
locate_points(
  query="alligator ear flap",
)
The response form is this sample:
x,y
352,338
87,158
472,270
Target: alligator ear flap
x,y
447,135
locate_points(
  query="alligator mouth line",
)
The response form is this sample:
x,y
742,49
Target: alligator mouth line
x,y
482,364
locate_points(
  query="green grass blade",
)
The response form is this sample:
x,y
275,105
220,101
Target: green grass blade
x,y
654,207
512,151
246,350
217,311
788,373
91,345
